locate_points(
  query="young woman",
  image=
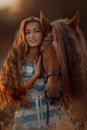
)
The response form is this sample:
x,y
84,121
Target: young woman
x,y
21,80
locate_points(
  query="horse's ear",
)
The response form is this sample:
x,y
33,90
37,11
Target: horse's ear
x,y
45,24
75,21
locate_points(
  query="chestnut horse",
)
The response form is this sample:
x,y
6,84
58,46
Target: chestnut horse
x,y
68,59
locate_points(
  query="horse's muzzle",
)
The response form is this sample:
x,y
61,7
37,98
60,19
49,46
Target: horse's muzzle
x,y
53,98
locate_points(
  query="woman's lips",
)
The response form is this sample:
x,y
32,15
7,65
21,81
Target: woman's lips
x,y
33,41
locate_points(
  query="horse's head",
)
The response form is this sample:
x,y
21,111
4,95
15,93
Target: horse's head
x,y
51,66
64,55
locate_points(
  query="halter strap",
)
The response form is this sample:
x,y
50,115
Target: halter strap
x,y
49,39
53,72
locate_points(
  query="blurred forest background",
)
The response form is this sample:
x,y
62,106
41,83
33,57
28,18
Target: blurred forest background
x,y
13,11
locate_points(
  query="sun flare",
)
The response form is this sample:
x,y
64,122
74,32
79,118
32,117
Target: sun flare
x,y
10,4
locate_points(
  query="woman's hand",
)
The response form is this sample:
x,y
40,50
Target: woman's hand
x,y
37,70
37,67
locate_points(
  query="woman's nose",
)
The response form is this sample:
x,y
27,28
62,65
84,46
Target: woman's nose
x,y
31,34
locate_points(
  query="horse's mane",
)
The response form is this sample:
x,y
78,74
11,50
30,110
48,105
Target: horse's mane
x,y
73,53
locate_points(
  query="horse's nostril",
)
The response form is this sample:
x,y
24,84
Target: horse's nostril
x,y
47,94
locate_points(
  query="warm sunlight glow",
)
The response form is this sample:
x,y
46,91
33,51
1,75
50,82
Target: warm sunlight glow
x,y
4,3
11,4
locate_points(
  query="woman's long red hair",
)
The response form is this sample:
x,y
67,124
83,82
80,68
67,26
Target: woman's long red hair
x,y
11,88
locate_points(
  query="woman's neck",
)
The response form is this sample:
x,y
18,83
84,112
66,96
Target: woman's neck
x,y
34,50
32,55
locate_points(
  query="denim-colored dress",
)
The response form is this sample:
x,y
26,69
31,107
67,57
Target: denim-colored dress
x,y
35,117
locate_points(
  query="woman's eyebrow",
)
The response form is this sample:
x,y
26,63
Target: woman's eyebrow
x,y
35,28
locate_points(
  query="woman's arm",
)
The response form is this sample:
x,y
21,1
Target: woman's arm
x,y
37,70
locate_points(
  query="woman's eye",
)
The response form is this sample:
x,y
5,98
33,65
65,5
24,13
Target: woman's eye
x,y
27,32
37,30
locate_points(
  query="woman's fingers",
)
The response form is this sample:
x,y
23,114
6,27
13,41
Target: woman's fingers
x,y
39,60
37,66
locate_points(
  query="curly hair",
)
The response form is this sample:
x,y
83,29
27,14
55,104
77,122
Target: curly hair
x,y
11,88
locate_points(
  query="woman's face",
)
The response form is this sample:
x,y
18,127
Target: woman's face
x,y
33,34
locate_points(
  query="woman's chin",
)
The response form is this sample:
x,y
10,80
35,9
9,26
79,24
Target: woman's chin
x,y
36,45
